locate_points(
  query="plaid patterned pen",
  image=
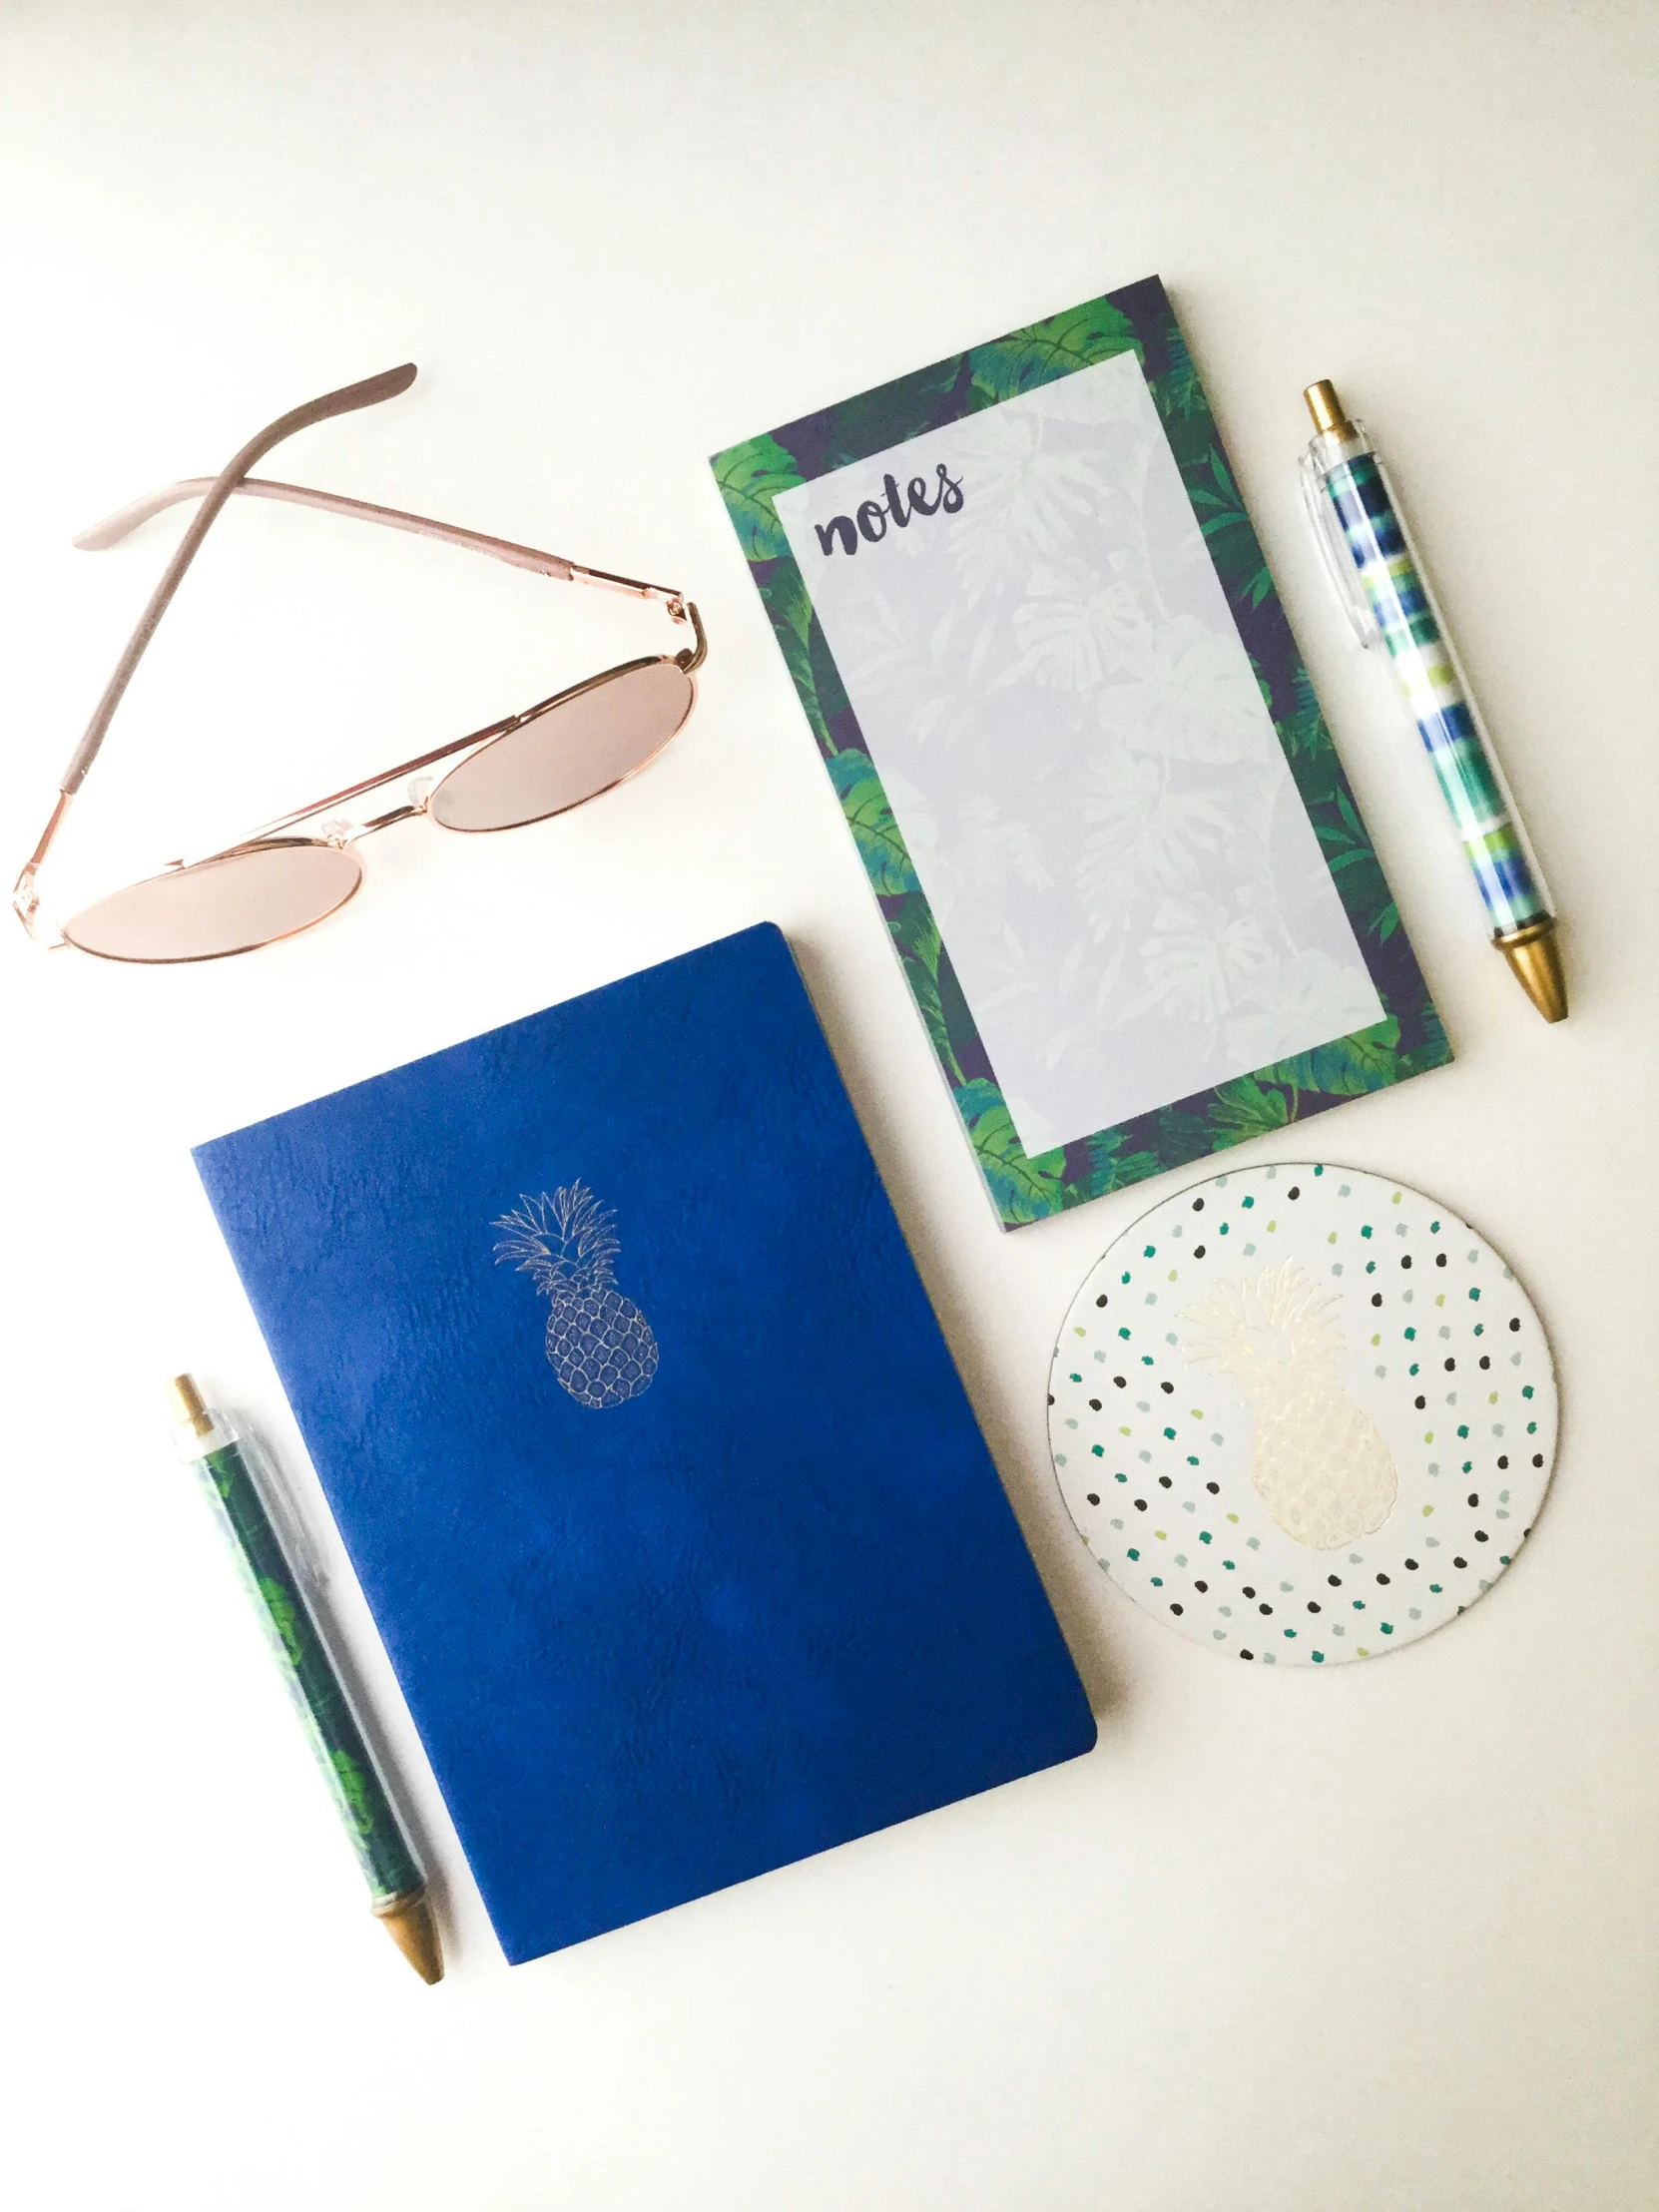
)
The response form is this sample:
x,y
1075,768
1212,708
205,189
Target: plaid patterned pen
x,y
1375,570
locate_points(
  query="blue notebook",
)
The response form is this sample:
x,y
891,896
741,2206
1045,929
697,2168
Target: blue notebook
x,y
645,1444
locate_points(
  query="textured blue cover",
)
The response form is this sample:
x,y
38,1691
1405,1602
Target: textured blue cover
x,y
776,1600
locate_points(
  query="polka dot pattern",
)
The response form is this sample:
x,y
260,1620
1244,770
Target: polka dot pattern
x,y
1303,1414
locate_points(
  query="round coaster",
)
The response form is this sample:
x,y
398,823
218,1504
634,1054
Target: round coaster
x,y
1303,1414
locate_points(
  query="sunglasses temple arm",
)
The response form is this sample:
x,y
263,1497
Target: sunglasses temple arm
x,y
127,519
115,527
344,401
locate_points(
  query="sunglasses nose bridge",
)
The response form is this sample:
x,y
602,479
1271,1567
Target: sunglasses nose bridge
x,y
386,820
415,801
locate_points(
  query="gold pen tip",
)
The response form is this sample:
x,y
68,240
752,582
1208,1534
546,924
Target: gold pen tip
x,y
1330,415
409,1923
1536,960
188,1408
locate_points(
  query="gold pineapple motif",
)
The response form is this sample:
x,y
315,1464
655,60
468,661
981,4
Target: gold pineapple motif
x,y
1317,1465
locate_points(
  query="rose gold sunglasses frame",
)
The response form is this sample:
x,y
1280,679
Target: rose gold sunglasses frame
x,y
213,493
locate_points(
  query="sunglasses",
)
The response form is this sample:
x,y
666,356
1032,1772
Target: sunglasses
x,y
278,879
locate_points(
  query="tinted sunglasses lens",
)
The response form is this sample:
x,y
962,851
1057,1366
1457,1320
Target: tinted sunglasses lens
x,y
569,752
219,906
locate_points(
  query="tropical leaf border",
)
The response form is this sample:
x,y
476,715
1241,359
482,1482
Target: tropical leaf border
x,y
1409,1039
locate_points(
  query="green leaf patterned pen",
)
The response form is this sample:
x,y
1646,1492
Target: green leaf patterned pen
x,y
272,1573
1375,568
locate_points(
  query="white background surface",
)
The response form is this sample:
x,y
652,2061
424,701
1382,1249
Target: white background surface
x,y
1379,1938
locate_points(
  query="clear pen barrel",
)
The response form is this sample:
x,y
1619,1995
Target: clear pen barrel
x,y
227,1466
1396,607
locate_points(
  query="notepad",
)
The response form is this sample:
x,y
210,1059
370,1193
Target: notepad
x,y
645,1446
1044,661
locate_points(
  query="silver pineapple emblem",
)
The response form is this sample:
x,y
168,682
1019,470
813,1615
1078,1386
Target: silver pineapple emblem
x,y
1318,1464
598,1343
